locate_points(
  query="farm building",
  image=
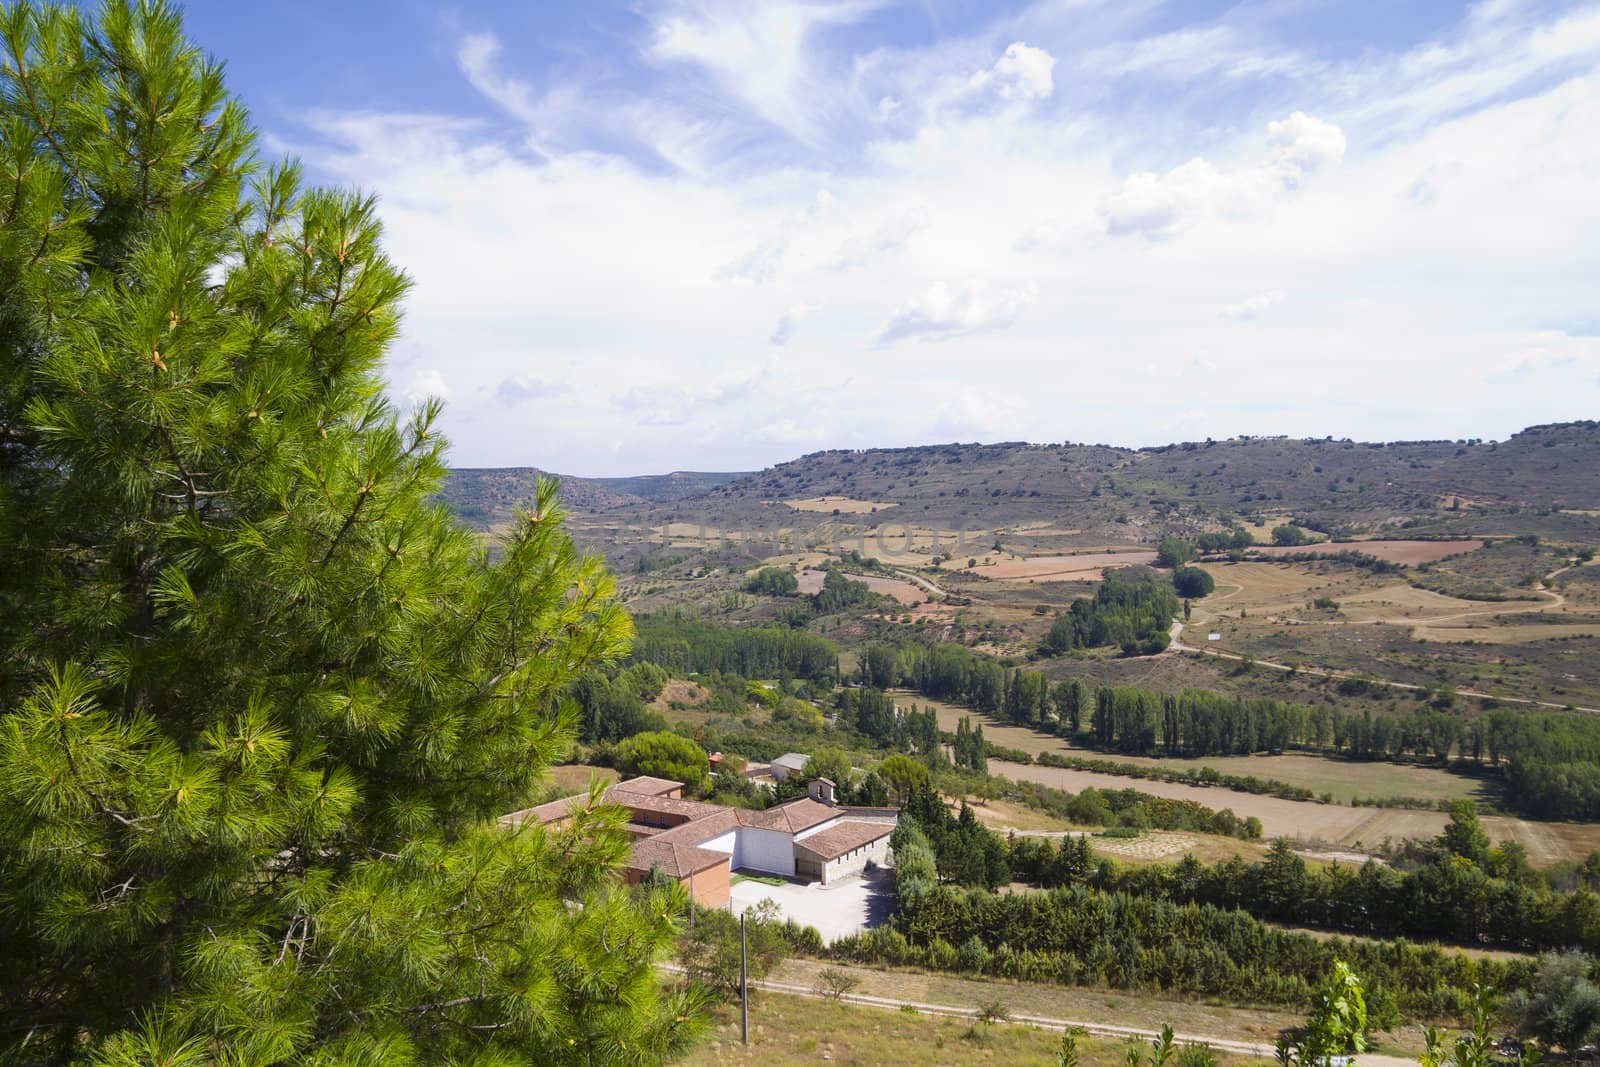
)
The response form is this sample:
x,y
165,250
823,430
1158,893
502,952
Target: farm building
x,y
789,763
700,845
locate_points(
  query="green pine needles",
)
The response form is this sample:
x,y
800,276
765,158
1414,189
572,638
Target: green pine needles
x,y
260,701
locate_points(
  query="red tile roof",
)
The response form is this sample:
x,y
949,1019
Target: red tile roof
x,y
791,817
644,783
674,859
835,841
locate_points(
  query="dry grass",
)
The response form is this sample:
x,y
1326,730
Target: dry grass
x,y
1077,567
791,1029
1160,846
1270,586
1407,553
1281,592
1050,1001
1006,815
689,697
1404,603
1299,820
574,777
1505,634
842,504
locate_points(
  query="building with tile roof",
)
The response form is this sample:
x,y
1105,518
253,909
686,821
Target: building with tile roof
x,y
700,845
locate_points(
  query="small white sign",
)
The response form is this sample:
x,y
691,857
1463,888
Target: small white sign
x,y
1213,637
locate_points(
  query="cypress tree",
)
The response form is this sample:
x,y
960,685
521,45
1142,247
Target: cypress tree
x,y
261,702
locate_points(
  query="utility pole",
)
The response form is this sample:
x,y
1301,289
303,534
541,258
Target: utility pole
x,y
744,988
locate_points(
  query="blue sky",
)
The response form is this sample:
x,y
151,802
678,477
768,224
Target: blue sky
x,y
687,234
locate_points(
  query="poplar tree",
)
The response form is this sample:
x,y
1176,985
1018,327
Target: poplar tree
x,y
261,702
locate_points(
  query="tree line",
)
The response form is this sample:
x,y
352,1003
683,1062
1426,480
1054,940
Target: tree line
x,y
1191,723
688,646
1490,900
1552,763
1081,935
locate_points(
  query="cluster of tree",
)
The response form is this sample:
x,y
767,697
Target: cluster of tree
x,y
834,764
263,699
1289,535
1448,901
839,593
969,853
1233,540
1192,583
688,646
1132,610
730,787
964,851
715,951
948,671
1174,552
1145,811
1349,556
1193,722
1552,763
773,581
1561,1006
1199,722
664,754
955,673
968,750
1081,935
872,713
611,703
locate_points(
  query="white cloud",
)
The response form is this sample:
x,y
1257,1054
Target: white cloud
x,y
889,236
424,384
1306,146
1023,73
605,271
517,389
945,312
1250,307
981,414
789,322
757,265
1160,206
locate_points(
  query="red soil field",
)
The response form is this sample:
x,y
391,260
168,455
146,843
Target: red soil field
x,y
905,592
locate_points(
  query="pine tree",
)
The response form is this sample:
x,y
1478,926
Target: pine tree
x,y
260,701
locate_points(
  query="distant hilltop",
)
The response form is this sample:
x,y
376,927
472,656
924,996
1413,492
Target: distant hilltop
x,y
1104,494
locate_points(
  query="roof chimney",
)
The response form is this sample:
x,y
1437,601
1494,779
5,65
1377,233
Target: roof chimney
x,y
820,790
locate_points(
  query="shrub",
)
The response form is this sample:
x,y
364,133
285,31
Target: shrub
x,y
834,983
